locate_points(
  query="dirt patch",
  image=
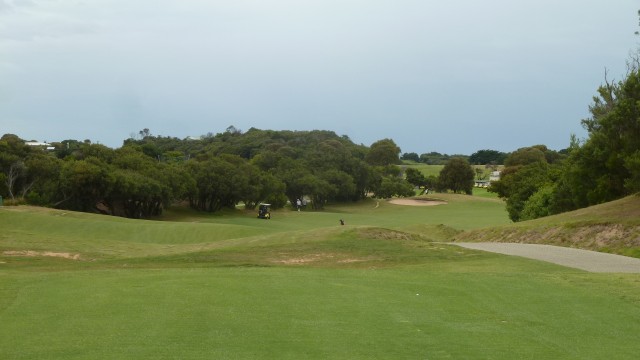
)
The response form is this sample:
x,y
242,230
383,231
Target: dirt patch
x,y
296,261
316,258
383,234
613,238
31,253
349,261
417,202
304,260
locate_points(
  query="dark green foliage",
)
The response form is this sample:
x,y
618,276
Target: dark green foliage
x,y
221,181
435,158
518,184
527,182
526,156
410,156
391,186
457,176
539,204
84,183
383,152
415,177
150,172
484,157
607,166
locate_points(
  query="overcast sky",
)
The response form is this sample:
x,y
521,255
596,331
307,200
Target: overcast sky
x,y
449,76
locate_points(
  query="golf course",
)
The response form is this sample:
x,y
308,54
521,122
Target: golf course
x,y
388,284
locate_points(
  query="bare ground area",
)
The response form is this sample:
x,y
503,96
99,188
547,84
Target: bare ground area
x,y
417,202
591,261
31,253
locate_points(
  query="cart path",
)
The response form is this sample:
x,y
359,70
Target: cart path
x,y
592,261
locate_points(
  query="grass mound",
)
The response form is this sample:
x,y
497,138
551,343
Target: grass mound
x,y
612,227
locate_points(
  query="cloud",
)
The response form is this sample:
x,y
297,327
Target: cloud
x,y
373,69
26,20
11,5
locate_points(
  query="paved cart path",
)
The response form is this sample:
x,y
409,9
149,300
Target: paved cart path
x,y
592,261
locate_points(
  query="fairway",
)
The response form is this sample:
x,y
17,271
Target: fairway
x,y
299,286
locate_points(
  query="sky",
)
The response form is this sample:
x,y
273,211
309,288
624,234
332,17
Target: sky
x,y
451,76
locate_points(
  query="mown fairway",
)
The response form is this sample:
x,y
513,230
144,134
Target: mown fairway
x,y
298,286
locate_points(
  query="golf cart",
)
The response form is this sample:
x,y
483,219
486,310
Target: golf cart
x,y
263,211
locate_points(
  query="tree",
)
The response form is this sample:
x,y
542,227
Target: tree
x,y
435,158
539,204
84,183
143,187
457,176
220,182
144,133
518,186
527,182
13,152
383,152
410,156
484,157
42,177
607,166
391,186
415,177
525,156
320,190
13,175
342,183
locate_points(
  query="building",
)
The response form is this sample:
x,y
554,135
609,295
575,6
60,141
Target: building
x,y
43,145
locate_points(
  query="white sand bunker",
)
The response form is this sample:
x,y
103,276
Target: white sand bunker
x,y
417,202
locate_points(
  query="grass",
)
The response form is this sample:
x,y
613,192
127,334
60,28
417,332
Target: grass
x,y
611,227
425,169
434,170
230,286
318,313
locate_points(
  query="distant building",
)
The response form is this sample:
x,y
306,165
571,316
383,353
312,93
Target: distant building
x,y
43,145
495,176
37,143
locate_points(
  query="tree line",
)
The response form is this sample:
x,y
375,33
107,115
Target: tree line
x,y
537,182
148,173
480,157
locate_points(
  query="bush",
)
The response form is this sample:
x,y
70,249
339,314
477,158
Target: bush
x,y
14,202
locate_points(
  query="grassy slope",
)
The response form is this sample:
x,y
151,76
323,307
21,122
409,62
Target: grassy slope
x,y
611,227
299,286
102,237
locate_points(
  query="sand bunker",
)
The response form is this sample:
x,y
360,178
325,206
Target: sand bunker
x,y
417,202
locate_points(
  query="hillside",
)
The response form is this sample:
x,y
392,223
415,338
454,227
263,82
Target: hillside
x,y
613,227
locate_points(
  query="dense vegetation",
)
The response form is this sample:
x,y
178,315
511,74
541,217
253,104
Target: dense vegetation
x,y
146,174
480,157
606,166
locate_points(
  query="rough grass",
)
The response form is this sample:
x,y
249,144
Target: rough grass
x,y
611,227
